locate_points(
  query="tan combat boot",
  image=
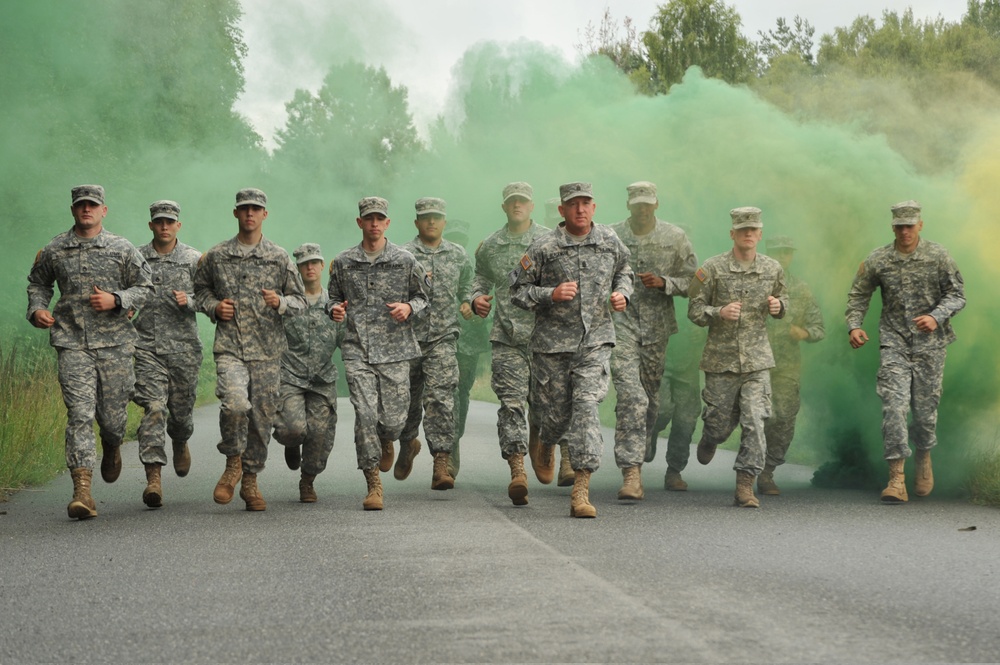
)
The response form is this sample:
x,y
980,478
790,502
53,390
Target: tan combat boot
x,y
307,494
152,496
441,479
706,451
631,484
518,488
744,497
82,506
404,463
895,491
111,463
579,498
924,481
672,481
543,461
385,463
250,494
454,461
765,482
227,483
374,499
566,473
182,459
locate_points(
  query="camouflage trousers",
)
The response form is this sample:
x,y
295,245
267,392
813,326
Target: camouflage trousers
x,y
96,383
165,388
307,417
433,380
779,430
680,406
468,370
636,371
511,382
909,382
248,395
380,394
568,387
733,399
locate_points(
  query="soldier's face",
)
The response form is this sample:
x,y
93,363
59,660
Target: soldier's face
x,y
250,217
579,214
311,272
643,213
430,227
164,230
907,236
746,239
782,256
518,209
373,226
88,215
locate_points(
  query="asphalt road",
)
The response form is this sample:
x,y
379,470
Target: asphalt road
x,y
464,576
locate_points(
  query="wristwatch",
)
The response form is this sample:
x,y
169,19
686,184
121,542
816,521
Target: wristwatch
x,y
118,301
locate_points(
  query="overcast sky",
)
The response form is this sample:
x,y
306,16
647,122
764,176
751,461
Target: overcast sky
x,y
292,43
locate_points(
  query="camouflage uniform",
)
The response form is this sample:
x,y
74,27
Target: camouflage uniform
x,y
434,374
737,355
927,281
642,332
167,353
376,349
307,411
680,393
95,348
803,311
248,347
512,328
570,362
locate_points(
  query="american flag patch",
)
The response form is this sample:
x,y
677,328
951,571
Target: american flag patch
x,y
701,274
526,263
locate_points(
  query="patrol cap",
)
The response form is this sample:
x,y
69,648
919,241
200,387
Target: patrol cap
x,y
746,218
779,242
457,231
309,251
430,206
521,189
906,213
552,210
93,193
251,197
373,204
641,192
164,209
574,190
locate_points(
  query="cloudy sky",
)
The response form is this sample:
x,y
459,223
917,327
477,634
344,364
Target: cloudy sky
x,y
292,43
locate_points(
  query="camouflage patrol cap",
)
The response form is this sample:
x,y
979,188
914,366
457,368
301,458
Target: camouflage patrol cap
x,y
93,193
251,197
373,204
746,218
574,190
521,189
457,231
906,213
164,209
430,206
641,192
552,215
309,251
779,242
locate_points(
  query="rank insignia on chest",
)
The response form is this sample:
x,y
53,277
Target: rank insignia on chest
x,y
526,263
701,274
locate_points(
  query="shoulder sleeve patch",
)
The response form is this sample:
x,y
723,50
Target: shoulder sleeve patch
x,y
861,269
526,262
701,274
38,256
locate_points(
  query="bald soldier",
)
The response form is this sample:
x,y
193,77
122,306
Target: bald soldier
x,y
922,290
733,294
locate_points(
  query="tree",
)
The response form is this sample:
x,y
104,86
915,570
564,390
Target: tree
x,y
698,32
794,40
627,52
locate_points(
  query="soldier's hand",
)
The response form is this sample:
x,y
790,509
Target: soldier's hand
x,y
102,301
42,318
565,291
130,314
618,302
271,298
798,333
181,298
399,311
225,310
731,312
482,305
858,337
926,323
339,312
651,280
773,306
465,310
